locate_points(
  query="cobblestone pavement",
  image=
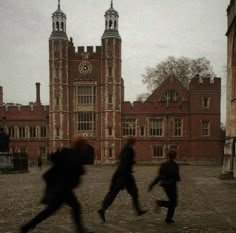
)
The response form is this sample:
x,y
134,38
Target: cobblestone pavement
x,y
206,204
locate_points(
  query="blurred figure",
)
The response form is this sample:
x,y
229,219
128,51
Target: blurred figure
x,y
60,180
123,179
4,141
168,178
40,163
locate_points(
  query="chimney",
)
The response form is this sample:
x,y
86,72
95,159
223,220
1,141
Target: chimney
x,y
1,95
38,101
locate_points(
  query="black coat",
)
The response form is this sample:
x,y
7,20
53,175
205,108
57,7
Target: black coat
x,y
168,174
127,160
64,175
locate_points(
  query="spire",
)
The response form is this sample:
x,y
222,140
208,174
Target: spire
x,y
59,4
111,3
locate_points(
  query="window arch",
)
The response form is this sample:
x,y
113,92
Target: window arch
x,y
57,26
115,25
110,24
171,97
62,26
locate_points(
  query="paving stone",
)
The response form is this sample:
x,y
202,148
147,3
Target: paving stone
x,y
206,204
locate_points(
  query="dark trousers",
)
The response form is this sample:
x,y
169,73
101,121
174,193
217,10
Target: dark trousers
x,y
70,199
171,192
119,183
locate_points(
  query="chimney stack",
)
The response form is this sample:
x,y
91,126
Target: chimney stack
x,y
1,95
38,101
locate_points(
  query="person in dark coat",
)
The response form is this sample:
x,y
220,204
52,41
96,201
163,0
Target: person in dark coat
x,y
168,178
123,179
60,180
40,163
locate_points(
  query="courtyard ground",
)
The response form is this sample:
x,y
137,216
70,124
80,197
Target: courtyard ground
x,y
206,204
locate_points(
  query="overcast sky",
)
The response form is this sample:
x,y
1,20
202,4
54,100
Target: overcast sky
x,y
151,30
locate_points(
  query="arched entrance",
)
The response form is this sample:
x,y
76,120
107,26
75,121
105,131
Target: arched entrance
x,y
89,155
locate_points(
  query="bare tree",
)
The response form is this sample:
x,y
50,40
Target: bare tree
x,y
182,68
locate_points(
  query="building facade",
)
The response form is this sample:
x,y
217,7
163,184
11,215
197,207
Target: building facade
x,y
87,99
230,144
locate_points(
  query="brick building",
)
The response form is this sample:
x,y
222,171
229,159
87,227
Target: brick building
x,y
87,98
230,144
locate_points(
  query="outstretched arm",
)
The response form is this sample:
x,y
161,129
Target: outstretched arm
x,y
156,180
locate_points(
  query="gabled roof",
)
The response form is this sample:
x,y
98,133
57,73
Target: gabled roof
x,y
170,84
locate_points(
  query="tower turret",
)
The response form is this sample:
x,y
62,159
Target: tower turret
x,y
58,24
111,23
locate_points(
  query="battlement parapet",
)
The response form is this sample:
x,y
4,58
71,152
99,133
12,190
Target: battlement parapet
x,y
205,83
18,111
81,52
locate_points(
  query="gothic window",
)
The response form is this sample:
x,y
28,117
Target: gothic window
x,y
110,71
43,132
205,102
110,99
171,96
110,24
62,26
157,151
205,128
86,121
155,127
32,132
57,26
129,127
177,127
110,131
21,132
115,25
86,95
57,131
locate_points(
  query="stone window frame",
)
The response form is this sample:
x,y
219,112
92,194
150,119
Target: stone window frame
x,y
12,132
85,121
32,132
22,132
206,102
85,95
43,131
158,151
110,131
153,129
178,128
129,127
142,134
205,127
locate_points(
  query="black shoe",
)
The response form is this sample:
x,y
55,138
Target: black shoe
x,y
170,221
25,229
141,212
101,214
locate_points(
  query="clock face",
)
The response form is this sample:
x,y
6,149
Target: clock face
x,y
85,67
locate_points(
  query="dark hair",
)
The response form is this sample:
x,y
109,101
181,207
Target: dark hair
x,y
171,154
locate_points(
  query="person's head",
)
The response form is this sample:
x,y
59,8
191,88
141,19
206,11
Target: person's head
x,y
171,154
79,143
131,141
